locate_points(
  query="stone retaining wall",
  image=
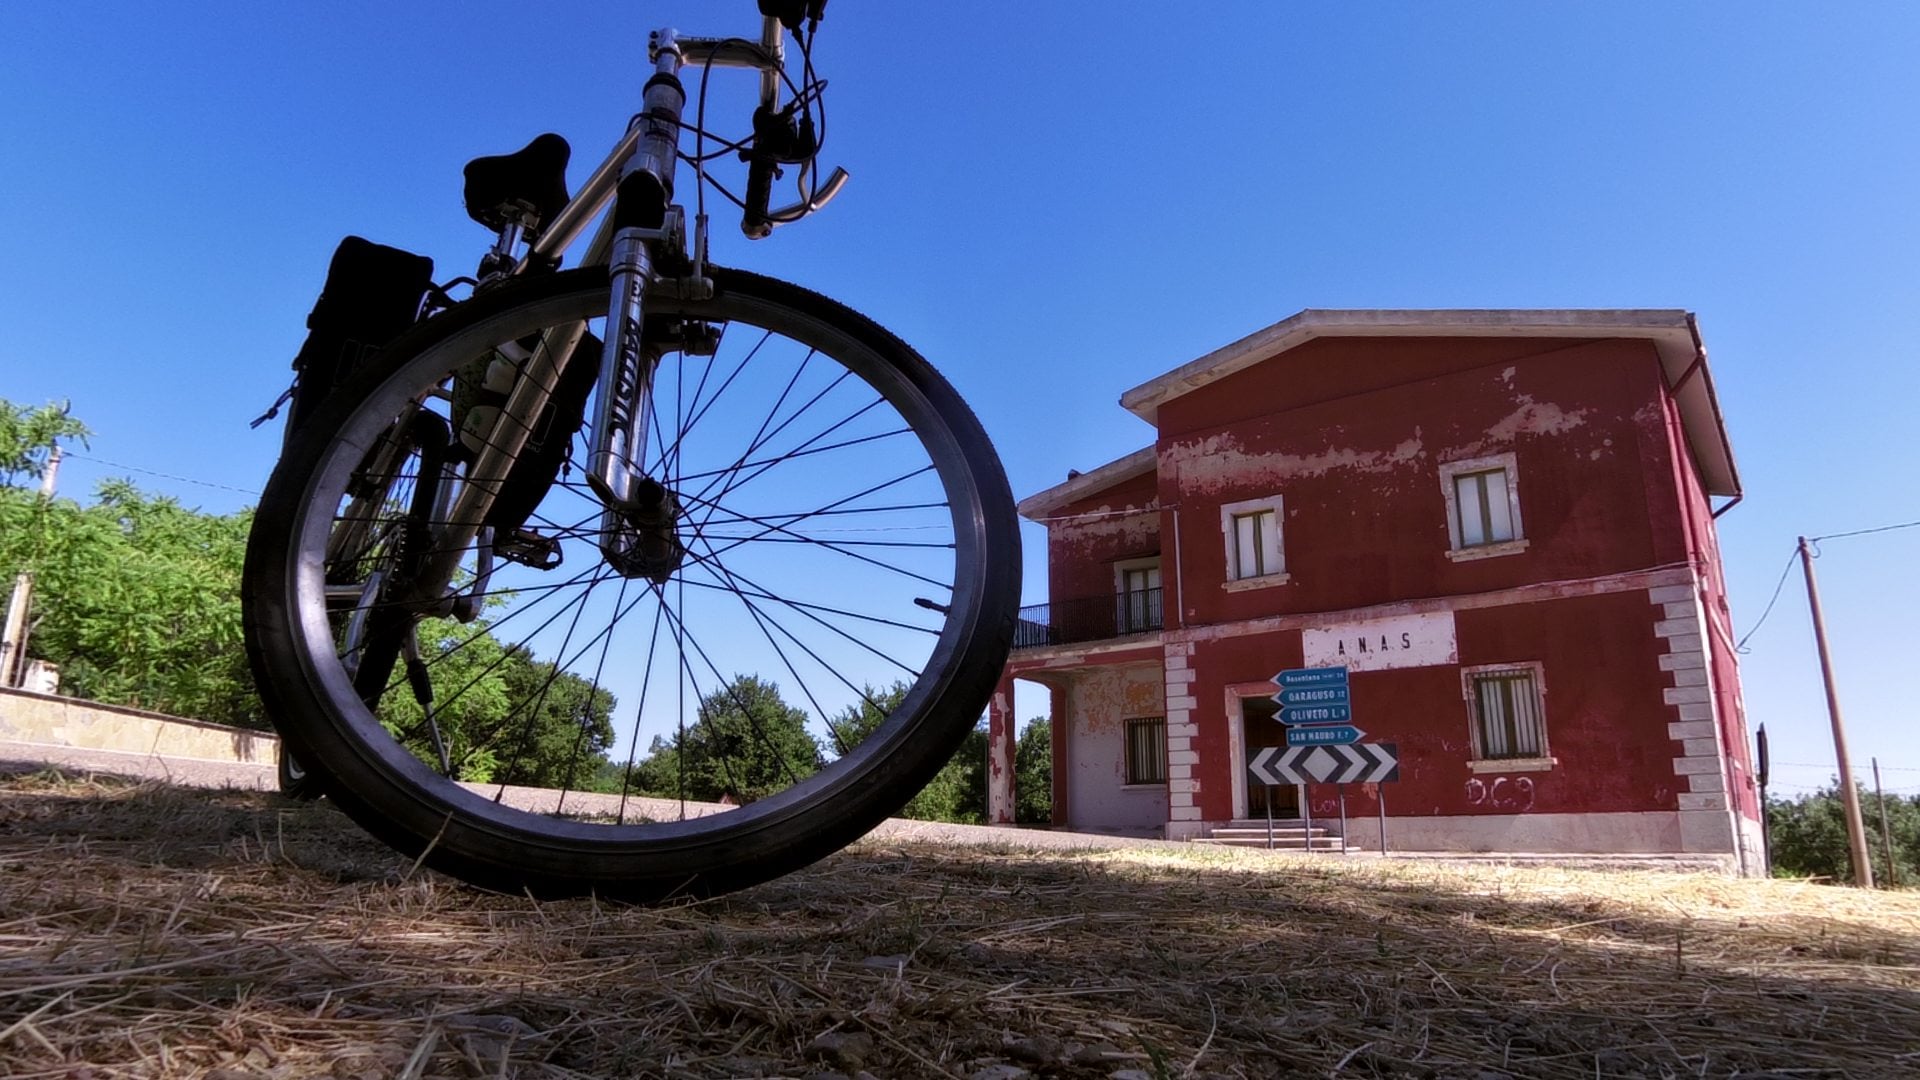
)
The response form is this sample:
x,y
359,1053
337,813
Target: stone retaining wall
x,y
51,720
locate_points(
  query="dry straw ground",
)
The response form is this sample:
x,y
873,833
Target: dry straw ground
x,y
166,932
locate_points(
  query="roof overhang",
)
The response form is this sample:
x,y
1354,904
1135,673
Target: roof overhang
x,y
1673,334
1037,506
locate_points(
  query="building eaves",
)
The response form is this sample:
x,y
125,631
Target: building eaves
x,y
1672,332
1037,506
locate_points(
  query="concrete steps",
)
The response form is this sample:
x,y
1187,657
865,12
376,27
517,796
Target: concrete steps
x,y
1287,835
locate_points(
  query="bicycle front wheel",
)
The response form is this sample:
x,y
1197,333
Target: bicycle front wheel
x,y
780,653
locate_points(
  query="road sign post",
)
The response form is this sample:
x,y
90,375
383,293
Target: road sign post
x,y
1343,818
1381,792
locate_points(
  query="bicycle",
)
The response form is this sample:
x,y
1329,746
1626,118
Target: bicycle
x,y
641,491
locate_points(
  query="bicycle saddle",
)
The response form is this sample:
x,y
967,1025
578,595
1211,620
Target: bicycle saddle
x,y
531,180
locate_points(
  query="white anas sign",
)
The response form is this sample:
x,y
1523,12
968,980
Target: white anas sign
x,y
1402,641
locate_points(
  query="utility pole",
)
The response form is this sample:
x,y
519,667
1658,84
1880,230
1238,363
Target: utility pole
x,y
1886,834
13,633
1849,797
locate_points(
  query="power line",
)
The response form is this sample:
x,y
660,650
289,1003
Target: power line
x,y
161,475
1864,532
1741,645
1856,768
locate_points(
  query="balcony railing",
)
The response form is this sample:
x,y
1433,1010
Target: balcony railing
x,y
1088,618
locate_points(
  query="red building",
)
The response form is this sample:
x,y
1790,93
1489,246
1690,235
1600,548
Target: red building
x,y
1502,524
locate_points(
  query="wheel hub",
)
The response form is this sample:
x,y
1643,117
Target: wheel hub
x,y
643,540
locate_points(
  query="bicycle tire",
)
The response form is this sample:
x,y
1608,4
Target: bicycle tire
x,y
470,830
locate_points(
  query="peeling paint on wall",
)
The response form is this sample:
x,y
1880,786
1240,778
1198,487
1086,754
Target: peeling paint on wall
x,y
1127,527
1537,418
1219,462
1098,705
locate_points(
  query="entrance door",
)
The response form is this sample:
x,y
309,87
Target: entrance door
x,y
1257,719
1137,607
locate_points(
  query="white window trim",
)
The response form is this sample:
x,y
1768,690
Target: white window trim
x,y
1541,762
1518,764
1451,469
1228,512
1145,562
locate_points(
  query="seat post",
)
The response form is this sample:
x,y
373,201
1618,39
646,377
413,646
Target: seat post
x,y
500,260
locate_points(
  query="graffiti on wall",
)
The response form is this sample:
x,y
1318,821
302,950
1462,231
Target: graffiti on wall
x,y
1510,794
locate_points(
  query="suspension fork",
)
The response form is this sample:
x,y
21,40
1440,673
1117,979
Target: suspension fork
x,y
644,224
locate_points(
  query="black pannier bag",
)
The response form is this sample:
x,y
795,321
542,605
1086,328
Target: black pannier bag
x,y
372,295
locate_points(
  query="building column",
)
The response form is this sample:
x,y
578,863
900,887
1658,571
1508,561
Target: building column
x,y
1000,724
1183,790
1707,821
1057,719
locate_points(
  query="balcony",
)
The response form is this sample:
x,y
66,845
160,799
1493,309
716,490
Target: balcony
x,y
1088,618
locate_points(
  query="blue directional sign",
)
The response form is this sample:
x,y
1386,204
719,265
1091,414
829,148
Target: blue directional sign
x,y
1315,714
1313,695
1324,735
1312,676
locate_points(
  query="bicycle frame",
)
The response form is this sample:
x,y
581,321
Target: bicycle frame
x,y
649,149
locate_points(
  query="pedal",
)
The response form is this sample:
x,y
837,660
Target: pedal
x,y
529,548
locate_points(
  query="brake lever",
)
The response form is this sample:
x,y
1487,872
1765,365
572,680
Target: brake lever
x,y
836,180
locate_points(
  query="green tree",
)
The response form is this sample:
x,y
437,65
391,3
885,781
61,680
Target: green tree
x,y
956,793
136,598
27,435
747,744
1809,835
1033,773
503,718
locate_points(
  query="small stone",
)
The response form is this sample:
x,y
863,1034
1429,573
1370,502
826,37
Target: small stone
x,y
896,963
1129,1074
1098,1054
489,1039
1002,1071
846,1049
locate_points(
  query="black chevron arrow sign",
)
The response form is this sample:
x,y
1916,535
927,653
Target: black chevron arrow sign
x,y
1354,763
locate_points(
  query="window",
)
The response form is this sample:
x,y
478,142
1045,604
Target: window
x,y
1252,531
1137,595
1509,718
1147,751
1480,498
1483,507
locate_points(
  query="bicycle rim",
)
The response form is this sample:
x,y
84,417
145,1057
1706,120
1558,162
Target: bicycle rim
x,y
836,619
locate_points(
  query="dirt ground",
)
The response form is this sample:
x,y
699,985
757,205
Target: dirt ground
x,y
149,930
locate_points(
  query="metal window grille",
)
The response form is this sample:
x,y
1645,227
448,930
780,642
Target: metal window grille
x,y
1137,610
1508,711
1485,515
1147,751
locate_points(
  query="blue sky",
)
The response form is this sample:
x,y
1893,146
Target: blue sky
x,y
1055,202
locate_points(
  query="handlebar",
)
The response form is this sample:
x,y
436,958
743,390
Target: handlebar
x,y
778,139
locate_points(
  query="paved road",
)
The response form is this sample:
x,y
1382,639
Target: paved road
x,y
221,774
16,757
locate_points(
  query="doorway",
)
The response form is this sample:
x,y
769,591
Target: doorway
x,y
1258,720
